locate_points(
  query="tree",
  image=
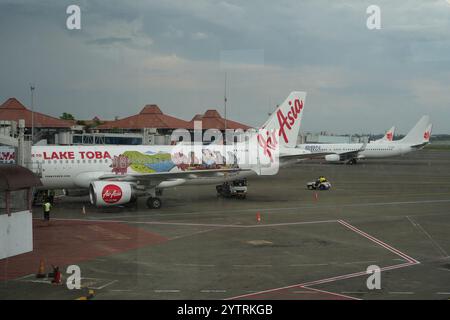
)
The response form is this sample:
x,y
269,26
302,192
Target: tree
x,y
67,116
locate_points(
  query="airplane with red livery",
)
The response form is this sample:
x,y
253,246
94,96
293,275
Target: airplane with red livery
x,y
416,139
116,175
388,137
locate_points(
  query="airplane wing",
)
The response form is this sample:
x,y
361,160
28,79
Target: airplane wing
x,y
305,156
352,154
160,176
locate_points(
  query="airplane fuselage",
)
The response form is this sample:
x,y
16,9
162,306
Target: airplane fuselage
x,y
371,150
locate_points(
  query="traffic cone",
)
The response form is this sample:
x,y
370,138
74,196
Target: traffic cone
x,y
258,217
41,270
83,210
316,196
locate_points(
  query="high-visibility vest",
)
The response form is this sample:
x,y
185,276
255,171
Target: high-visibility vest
x,y
47,206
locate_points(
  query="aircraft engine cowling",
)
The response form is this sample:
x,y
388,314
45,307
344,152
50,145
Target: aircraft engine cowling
x,y
332,157
111,193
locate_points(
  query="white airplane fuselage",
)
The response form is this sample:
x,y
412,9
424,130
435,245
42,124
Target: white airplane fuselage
x,y
71,167
371,150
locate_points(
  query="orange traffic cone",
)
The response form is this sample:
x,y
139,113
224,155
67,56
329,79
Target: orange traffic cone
x,y
41,270
258,217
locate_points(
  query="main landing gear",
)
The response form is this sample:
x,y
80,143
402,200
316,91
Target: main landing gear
x,y
352,161
153,202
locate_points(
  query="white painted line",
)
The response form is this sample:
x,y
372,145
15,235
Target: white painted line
x,y
444,293
193,234
120,290
194,265
309,265
186,224
166,291
436,245
411,262
401,292
104,286
361,262
252,265
368,204
379,242
25,277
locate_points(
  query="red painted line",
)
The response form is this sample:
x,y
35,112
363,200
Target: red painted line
x,y
411,262
379,242
354,275
322,281
333,293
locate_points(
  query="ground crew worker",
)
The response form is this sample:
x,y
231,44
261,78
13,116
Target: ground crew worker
x,y
47,206
320,180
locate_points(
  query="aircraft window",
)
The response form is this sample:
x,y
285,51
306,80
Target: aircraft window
x,y
49,161
67,161
55,161
84,161
89,161
78,161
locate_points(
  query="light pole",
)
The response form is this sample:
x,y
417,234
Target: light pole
x,y
32,87
225,107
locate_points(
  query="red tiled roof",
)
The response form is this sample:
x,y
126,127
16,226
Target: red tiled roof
x,y
149,117
13,110
212,119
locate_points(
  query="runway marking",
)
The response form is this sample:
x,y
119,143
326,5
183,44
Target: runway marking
x,y
436,245
166,291
361,262
410,262
252,265
334,294
193,234
105,285
445,293
188,224
379,242
315,206
401,292
309,265
194,265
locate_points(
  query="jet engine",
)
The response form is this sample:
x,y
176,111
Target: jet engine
x,y
332,157
111,193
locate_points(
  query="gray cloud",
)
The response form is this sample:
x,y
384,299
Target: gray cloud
x,y
172,53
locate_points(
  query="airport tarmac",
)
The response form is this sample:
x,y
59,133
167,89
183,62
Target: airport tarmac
x,y
392,213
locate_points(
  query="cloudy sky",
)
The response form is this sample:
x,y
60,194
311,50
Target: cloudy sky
x,y
175,54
